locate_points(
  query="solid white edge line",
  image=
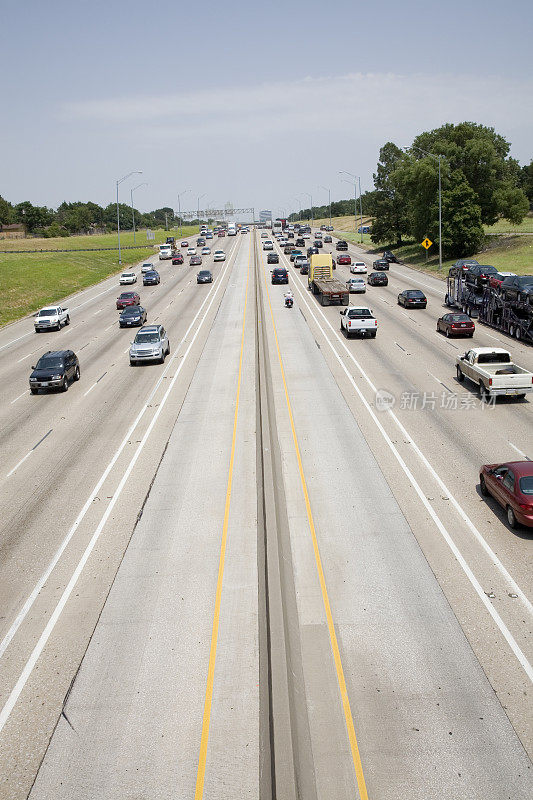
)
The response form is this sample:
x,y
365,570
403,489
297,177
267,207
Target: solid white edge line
x,y
20,395
526,666
518,451
3,347
4,644
464,516
89,389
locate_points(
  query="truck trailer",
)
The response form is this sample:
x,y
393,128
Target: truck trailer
x,y
321,282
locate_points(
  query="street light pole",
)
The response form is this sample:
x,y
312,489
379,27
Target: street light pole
x,y
198,210
300,205
437,158
310,196
135,172
179,210
329,202
343,172
132,209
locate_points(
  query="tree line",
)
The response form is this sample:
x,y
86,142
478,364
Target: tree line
x,y
480,184
80,218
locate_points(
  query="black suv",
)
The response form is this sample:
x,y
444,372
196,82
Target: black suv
x,y
272,258
378,279
55,370
478,274
299,242
390,257
280,275
342,245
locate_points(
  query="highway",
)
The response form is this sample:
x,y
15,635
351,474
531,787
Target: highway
x,y
237,575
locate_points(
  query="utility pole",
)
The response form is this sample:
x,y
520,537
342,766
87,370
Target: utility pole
x,y
132,209
329,202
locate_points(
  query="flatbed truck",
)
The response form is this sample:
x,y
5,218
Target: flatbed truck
x,y
321,282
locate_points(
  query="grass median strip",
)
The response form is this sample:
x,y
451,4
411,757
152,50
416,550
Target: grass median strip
x,y
32,280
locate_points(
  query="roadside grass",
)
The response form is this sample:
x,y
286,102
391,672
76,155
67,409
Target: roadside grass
x,y
503,226
33,280
90,242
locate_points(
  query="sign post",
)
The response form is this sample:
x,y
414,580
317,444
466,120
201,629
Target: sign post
x,y
426,243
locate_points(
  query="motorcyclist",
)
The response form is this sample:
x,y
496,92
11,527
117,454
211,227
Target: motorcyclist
x,y
289,299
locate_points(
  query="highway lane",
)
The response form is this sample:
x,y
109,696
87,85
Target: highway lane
x,y
66,486
196,541
455,443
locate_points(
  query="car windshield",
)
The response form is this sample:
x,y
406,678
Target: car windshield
x,y
147,338
458,318
414,293
47,312
526,484
49,362
359,313
525,280
126,296
131,311
204,273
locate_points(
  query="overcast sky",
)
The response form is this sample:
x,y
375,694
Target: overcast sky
x,y
250,103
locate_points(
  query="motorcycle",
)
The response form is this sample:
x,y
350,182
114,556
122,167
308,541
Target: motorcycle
x,y
288,301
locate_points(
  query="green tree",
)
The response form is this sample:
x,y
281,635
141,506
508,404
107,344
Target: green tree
x,y
33,217
526,182
391,221
462,231
6,212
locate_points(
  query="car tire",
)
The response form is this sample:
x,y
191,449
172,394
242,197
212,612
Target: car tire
x,y
483,486
133,363
34,391
67,321
511,519
373,334
520,396
64,385
77,374
484,392
168,349
460,375
447,333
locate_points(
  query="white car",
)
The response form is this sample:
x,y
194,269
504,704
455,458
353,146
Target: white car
x,y
264,235
356,285
219,255
306,236
358,268
318,235
206,251
147,268
128,277
268,245
191,251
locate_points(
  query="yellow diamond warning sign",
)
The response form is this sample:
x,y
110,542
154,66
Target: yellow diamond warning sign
x,y
427,243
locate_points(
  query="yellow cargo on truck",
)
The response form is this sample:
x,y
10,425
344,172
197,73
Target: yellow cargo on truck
x,y
322,283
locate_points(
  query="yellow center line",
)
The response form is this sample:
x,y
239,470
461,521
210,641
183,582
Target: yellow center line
x,y
356,758
202,758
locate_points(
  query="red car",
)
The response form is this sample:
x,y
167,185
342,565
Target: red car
x,y
345,259
177,259
221,233
511,484
128,299
456,325
184,243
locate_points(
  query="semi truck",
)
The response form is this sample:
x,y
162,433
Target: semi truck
x,y
321,282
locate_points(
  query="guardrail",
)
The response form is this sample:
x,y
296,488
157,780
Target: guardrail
x,y
81,249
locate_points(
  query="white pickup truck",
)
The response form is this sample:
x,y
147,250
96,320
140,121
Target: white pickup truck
x,y
494,372
359,320
51,317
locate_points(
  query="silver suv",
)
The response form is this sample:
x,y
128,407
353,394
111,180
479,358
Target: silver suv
x,y
150,344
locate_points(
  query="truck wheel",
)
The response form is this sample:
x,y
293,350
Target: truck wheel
x,y
373,334
67,321
483,486
511,519
511,330
518,334
58,326
484,392
460,376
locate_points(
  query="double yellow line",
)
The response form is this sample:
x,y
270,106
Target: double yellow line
x,y
202,759
356,758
